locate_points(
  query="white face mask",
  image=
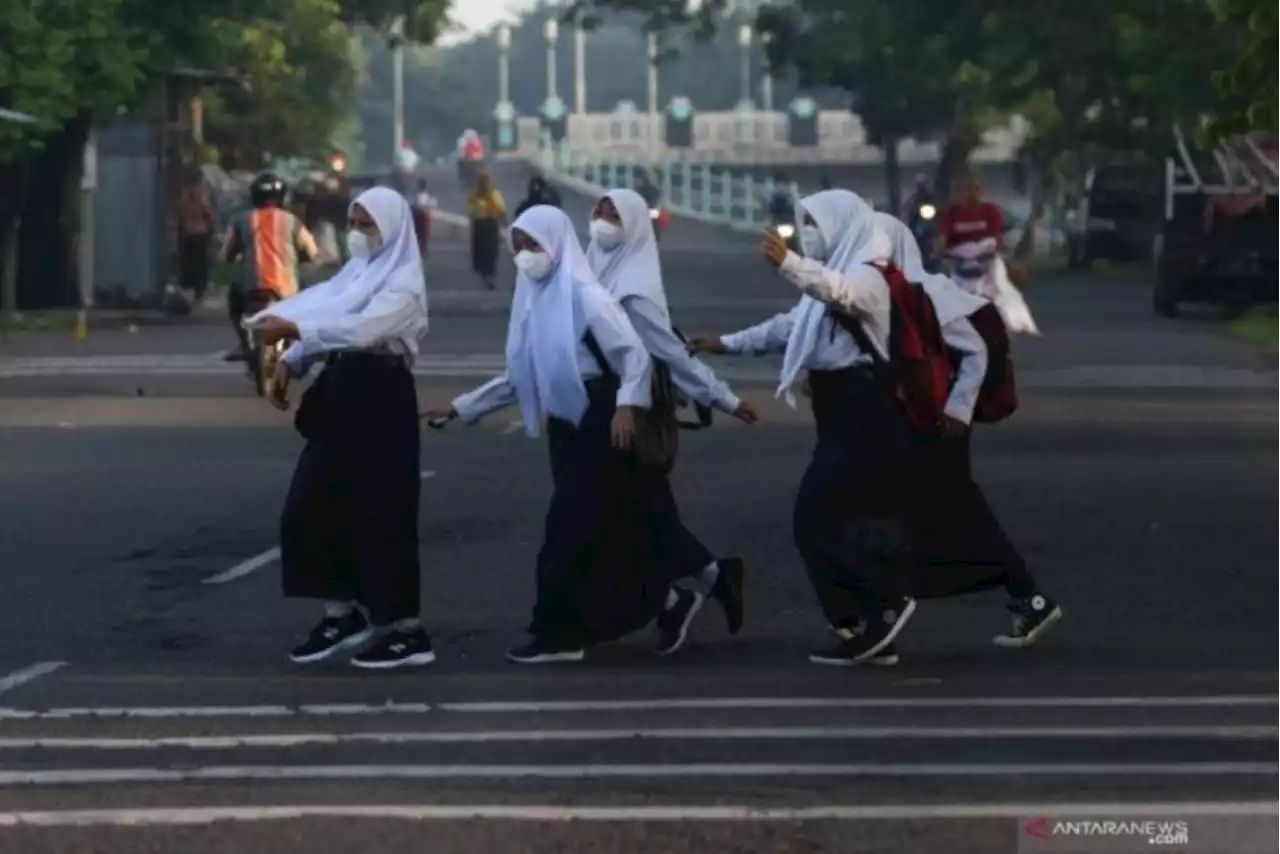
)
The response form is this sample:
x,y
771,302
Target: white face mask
x,y
361,245
812,244
605,233
535,265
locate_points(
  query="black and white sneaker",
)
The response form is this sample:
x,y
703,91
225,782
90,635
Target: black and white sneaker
x,y
728,591
539,651
1032,617
871,643
673,623
397,648
331,635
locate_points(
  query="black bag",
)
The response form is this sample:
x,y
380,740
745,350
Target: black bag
x,y
657,437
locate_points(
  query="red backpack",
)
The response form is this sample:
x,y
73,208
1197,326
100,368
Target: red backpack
x,y
925,366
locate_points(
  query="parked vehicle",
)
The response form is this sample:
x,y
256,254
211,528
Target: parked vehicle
x,y
1218,240
1117,215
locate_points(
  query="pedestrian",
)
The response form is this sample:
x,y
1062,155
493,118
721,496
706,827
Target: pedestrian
x,y
848,521
349,531
487,212
574,359
958,543
196,225
624,257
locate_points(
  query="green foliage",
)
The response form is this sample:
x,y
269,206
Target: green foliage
x,y
296,60
62,58
1249,80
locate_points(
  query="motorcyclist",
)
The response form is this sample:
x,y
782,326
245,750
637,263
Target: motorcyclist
x,y
970,218
540,193
782,205
271,242
921,195
648,189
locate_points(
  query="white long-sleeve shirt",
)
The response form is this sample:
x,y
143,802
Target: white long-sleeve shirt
x,y
393,320
622,348
688,374
865,297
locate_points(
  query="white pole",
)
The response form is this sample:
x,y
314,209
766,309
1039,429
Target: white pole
x,y
766,84
88,187
552,31
744,71
397,85
580,70
504,64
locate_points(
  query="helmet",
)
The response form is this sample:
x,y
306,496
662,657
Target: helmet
x,y
267,189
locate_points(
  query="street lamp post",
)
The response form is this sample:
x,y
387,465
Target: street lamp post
x,y
744,45
551,32
579,69
504,64
396,39
651,80
766,82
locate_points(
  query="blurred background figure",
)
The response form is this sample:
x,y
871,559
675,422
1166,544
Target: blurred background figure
x,y
196,225
487,212
540,193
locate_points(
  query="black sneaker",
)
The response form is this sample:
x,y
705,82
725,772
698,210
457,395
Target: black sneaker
x,y
331,635
1032,617
871,643
728,591
887,657
397,648
539,651
673,623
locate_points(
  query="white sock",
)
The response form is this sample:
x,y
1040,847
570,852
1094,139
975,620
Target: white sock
x,y
411,624
672,598
337,610
704,579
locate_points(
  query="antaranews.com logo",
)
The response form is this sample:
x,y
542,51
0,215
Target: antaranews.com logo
x,y
1150,832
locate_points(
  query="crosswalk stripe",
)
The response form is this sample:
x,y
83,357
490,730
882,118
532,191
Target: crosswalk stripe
x,y
601,771
137,817
780,733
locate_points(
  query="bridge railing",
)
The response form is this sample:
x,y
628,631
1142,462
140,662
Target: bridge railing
x,y
690,187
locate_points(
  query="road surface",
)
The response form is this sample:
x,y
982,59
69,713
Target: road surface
x,y
144,690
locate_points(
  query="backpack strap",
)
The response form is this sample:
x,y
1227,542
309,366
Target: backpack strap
x,y
859,333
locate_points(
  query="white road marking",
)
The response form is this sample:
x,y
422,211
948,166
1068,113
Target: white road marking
x,y
675,704
101,776
28,674
246,567
512,427
531,812
800,733
258,561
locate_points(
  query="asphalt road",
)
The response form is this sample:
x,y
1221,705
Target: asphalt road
x,y
144,690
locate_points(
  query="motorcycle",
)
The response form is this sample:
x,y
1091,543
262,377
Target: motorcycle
x,y
262,357
924,228
660,219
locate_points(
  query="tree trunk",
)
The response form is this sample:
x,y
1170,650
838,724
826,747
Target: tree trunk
x,y
9,273
893,174
954,162
1039,195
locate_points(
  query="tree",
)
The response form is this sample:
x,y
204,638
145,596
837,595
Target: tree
x,y
909,72
296,60
1249,79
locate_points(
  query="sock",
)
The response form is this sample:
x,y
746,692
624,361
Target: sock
x,y
707,576
672,599
337,610
412,624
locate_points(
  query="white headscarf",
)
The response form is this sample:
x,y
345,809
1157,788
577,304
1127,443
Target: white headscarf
x,y
631,269
395,266
854,239
545,326
949,301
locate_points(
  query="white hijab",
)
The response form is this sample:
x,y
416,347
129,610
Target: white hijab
x,y
395,266
631,269
854,239
546,326
949,300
